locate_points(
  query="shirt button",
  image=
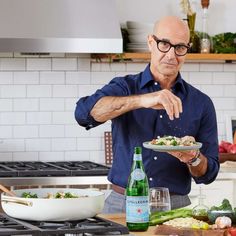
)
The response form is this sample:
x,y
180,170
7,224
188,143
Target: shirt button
x,y
161,116
156,83
150,179
155,158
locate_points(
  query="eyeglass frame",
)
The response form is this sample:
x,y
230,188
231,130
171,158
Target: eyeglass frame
x,y
157,40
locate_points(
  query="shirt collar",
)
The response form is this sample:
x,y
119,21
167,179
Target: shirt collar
x,y
147,77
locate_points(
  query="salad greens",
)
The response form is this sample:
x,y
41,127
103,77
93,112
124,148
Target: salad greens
x,y
29,195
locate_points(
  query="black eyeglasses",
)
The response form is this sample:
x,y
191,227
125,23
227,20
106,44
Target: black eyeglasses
x,y
165,46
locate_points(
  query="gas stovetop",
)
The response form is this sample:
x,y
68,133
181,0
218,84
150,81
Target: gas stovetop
x,y
90,226
42,169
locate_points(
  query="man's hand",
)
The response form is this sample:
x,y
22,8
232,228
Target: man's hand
x,y
163,99
184,156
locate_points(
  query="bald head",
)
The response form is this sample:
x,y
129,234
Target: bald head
x,y
172,25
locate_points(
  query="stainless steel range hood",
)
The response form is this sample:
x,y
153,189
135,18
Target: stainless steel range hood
x,y
70,26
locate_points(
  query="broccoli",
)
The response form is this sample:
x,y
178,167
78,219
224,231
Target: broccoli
x,y
29,195
225,205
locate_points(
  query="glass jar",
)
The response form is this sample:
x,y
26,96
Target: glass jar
x,y
194,39
200,211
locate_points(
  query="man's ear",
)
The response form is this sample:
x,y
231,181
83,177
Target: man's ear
x,y
150,42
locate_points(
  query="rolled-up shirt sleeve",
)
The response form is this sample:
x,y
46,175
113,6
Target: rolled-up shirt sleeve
x,y
117,87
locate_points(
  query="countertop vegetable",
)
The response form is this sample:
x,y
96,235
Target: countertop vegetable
x,y
160,217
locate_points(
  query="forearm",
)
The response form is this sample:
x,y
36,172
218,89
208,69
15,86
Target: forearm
x,y
200,169
110,107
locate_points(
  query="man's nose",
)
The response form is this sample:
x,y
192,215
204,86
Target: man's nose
x,y
171,53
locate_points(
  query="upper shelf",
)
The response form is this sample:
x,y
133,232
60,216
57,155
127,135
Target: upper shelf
x,y
189,57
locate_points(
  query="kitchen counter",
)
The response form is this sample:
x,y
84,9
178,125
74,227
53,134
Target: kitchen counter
x,y
120,218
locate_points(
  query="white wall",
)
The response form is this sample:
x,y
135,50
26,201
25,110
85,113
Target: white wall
x,y
38,97
221,12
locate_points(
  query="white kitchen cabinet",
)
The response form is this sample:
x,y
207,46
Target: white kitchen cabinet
x,y
214,192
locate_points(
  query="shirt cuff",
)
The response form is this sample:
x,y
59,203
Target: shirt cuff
x,y
92,122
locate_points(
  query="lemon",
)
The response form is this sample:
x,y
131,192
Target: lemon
x,y
195,226
205,226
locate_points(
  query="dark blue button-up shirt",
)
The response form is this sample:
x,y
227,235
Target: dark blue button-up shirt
x,y
135,127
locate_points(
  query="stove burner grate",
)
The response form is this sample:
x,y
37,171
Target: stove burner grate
x,y
90,226
37,168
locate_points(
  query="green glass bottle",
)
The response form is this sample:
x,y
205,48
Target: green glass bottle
x,y
137,195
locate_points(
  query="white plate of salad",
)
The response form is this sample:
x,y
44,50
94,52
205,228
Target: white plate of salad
x,y
172,143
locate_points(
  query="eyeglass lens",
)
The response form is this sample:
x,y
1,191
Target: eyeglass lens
x,y
164,46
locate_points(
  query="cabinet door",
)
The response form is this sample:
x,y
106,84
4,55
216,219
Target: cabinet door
x,y
214,193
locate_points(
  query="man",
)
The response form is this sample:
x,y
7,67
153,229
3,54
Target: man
x,y
156,102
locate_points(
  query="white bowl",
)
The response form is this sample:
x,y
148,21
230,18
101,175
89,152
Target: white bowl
x,y
140,31
138,25
137,38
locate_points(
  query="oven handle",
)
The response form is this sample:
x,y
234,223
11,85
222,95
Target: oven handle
x,y
17,201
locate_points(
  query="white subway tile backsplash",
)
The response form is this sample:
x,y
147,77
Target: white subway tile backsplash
x,y
5,132
65,144
213,90
39,95
95,66
37,144
86,90
12,64
78,77
89,144
230,91
130,67
38,118
25,131
39,64
190,67
13,91
52,104
230,67
24,104
76,130
39,91
200,78
106,67
97,156
224,103
224,78
25,156
70,104
63,118
6,156
12,145
64,64
62,91
84,64
212,67
101,77
51,156
221,128
118,67
6,77
47,131
12,118
52,77
6,104
77,156
26,77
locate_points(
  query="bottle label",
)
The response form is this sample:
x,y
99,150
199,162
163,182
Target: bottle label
x,y
137,157
137,209
137,174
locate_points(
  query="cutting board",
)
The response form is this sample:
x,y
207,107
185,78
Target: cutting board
x,y
169,230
